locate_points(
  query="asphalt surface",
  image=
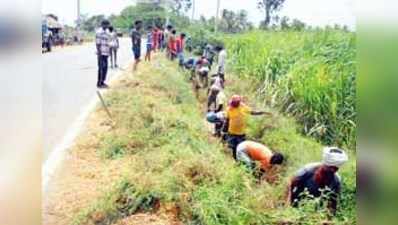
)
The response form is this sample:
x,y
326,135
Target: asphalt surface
x,y
69,84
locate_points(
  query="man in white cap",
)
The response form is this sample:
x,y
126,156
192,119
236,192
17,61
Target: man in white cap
x,y
319,179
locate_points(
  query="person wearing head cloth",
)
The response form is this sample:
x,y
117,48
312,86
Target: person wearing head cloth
x,y
318,178
235,125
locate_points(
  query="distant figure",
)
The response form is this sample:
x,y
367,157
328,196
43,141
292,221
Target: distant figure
x,y
155,39
209,54
216,98
160,38
114,44
235,125
172,45
102,41
149,43
167,34
216,103
202,70
136,41
61,37
318,178
180,48
189,64
222,61
250,152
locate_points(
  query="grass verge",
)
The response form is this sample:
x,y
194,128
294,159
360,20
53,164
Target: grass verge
x,y
176,169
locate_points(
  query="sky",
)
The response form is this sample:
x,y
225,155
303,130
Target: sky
x,y
312,12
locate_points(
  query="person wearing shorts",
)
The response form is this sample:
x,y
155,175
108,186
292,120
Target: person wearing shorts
x,y
136,41
149,43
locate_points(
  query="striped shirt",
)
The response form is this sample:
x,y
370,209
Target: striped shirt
x,y
103,39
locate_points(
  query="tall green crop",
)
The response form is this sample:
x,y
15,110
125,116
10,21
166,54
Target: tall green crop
x,y
309,74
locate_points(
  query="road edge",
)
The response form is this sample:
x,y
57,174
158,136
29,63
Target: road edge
x,y
58,154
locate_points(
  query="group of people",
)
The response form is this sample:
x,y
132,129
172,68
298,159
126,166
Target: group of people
x,y
230,118
167,39
313,180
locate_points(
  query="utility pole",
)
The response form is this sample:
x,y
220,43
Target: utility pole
x,y
217,13
193,10
78,21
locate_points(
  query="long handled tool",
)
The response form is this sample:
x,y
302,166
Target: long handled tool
x,y
104,105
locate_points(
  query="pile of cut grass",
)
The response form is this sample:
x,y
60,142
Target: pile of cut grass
x,y
179,170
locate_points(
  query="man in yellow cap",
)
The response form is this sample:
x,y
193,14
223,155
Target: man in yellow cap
x,y
235,125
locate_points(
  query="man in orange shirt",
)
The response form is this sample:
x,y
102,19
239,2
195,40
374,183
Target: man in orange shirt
x,y
249,152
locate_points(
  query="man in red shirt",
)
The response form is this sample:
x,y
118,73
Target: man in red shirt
x,y
180,48
155,38
172,45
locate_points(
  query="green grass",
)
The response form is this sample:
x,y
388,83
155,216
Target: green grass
x,y
160,123
310,75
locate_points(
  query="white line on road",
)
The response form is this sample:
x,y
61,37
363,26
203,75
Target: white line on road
x,y
58,154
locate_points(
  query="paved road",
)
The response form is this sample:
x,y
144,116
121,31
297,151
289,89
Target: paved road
x,y
69,84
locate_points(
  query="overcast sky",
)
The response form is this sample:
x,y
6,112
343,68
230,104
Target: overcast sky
x,y
313,12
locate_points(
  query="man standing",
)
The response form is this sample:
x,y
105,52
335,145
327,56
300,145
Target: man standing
x,y
166,40
136,41
222,60
208,53
180,48
172,44
236,122
114,46
319,179
102,41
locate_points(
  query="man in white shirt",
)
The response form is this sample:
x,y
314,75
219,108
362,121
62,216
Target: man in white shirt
x,y
102,40
222,61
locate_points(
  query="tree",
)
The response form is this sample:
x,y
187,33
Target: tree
x,y
242,20
232,22
285,23
91,23
269,7
298,25
182,6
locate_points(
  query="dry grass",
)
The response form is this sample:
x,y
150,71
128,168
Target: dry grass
x,y
84,175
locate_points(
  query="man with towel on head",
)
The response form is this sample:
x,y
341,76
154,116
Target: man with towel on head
x,y
319,178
